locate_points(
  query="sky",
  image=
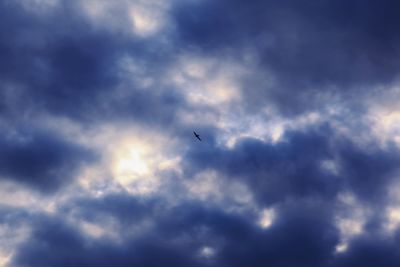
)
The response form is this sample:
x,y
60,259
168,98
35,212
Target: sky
x,y
296,103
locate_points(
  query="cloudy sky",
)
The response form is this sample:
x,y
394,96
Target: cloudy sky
x,y
296,101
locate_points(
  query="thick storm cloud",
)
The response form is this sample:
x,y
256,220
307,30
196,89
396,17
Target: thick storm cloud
x,y
302,164
40,159
178,238
309,48
296,104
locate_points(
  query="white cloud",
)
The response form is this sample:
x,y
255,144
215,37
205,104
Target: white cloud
x,y
207,252
207,81
213,188
38,6
141,18
350,219
392,211
330,166
131,158
393,219
266,218
146,20
136,161
383,114
11,235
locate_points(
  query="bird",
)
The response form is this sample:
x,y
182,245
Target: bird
x,y
197,136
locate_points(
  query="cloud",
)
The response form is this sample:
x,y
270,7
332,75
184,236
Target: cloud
x,y
368,252
309,49
40,160
296,104
75,73
296,165
182,232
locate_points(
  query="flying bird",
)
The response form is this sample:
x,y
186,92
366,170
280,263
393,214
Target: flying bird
x,y
197,136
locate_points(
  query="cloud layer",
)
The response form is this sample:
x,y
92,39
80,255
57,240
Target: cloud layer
x,y
295,102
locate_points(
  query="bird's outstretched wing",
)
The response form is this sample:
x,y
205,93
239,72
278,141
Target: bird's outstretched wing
x,y
197,135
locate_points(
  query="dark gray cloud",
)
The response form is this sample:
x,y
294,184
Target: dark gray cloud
x,y
308,41
41,160
294,167
371,251
124,208
62,64
301,236
340,47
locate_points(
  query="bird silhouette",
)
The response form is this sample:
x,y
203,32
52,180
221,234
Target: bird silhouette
x,y
197,136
